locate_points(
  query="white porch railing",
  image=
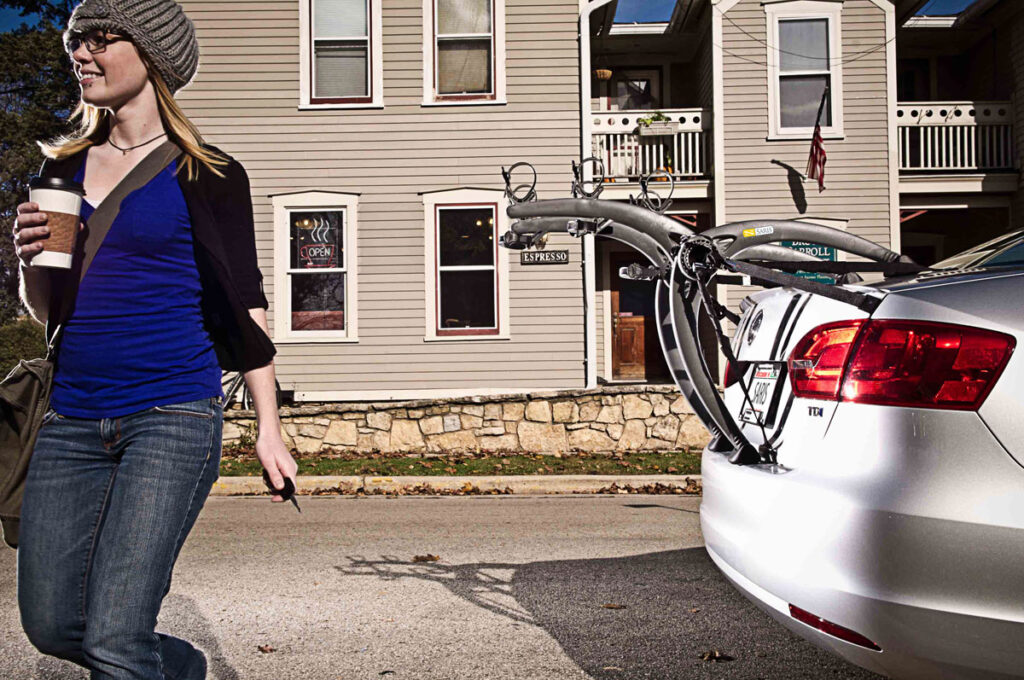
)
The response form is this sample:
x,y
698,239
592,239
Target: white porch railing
x,y
956,137
627,155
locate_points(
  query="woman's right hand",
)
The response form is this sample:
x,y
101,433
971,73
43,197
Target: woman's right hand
x,y
30,231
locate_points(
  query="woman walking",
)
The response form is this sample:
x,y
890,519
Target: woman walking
x,y
130,447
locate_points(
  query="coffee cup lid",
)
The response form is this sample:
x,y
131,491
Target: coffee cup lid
x,y
58,183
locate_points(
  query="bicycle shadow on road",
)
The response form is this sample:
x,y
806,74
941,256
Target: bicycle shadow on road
x,y
654,615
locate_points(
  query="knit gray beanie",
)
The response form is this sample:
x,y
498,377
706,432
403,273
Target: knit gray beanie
x,y
158,27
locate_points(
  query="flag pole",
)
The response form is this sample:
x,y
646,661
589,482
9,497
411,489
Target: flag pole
x,y
821,107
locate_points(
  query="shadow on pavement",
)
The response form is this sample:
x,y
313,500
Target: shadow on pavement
x,y
192,625
186,620
670,609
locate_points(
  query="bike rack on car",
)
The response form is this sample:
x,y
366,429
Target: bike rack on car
x,y
684,263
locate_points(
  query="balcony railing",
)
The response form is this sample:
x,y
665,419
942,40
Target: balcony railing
x,y
627,154
956,137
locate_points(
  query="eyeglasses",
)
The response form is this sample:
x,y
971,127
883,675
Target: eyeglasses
x,y
95,41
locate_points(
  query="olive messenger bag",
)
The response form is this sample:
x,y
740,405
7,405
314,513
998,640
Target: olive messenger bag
x,y
25,392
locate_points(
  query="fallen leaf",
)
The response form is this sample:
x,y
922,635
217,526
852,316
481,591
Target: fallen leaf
x,y
425,558
386,673
612,605
695,610
715,656
266,649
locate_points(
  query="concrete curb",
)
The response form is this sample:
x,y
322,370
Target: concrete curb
x,y
442,485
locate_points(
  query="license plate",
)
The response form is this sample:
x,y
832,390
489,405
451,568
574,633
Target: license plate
x,y
762,387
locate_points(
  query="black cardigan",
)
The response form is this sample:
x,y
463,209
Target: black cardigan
x,y
224,242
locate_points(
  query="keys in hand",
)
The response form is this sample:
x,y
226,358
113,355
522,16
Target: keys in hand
x,y
287,493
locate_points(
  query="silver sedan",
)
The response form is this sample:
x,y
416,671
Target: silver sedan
x,y
889,525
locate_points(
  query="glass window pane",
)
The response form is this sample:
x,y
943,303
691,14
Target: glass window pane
x,y
466,237
317,240
463,16
803,45
341,69
799,98
467,300
463,66
339,18
318,301
635,93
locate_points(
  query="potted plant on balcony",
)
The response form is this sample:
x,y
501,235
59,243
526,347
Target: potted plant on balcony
x,y
657,123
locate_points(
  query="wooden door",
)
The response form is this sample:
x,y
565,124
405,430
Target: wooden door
x,y
629,360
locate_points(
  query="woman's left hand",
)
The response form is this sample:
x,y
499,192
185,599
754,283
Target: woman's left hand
x,y
276,460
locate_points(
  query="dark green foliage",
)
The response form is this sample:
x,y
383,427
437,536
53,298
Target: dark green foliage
x,y
22,339
38,91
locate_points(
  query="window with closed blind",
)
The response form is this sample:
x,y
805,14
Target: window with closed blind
x,y
466,50
341,52
804,58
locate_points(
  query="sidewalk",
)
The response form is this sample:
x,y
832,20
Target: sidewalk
x,y
469,485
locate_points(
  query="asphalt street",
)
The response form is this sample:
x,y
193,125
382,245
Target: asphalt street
x,y
520,591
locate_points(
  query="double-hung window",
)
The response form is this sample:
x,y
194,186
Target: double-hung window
x,y
804,58
314,280
464,51
341,53
467,295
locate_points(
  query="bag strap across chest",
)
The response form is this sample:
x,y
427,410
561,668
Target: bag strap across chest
x,y
64,283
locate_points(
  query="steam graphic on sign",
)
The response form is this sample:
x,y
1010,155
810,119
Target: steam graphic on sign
x,y
317,242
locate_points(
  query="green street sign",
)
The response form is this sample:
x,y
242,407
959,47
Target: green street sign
x,y
825,253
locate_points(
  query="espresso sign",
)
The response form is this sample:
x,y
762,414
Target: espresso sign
x,y
544,257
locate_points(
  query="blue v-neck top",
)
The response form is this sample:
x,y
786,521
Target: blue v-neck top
x,y
136,337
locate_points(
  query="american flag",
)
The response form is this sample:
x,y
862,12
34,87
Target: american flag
x,y
816,161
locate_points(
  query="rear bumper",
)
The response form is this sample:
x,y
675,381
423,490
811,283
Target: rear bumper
x,y
916,544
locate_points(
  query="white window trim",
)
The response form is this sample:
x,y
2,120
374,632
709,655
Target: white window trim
x,y
315,200
305,56
498,54
805,9
431,202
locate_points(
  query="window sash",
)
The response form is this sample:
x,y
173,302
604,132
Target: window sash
x,y
349,56
792,107
343,261
344,22
467,38
439,269
790,52
326,314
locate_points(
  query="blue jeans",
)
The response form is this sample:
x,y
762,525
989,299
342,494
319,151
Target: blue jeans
x,y
108,505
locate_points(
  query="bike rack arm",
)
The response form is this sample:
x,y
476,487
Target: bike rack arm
x,y
658,227
759,232
776,253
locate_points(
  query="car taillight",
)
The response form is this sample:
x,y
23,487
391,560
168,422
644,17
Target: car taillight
x,y
817,362
901,363
912,363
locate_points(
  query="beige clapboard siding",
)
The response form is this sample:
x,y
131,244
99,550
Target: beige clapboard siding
x,y
245,100
857,171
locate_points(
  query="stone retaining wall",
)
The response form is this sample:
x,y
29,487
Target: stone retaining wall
x,y
624,418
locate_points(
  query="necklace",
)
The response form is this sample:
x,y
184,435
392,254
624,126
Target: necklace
x,y
124,151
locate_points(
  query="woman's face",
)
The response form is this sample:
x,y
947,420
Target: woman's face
x,y
113,76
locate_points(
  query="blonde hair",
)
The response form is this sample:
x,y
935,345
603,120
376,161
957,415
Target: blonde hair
x,y
180,130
